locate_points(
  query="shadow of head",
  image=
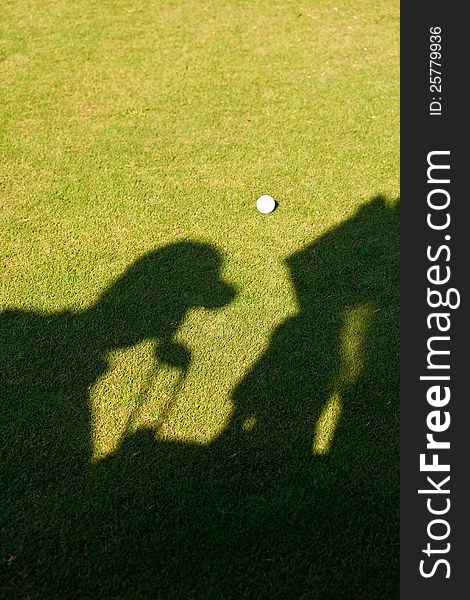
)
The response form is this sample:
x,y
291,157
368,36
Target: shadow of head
x,y
153,295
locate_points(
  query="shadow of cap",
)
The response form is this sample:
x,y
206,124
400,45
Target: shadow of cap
x,y
159,288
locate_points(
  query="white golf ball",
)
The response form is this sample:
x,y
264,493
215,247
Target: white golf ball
x,y
265,204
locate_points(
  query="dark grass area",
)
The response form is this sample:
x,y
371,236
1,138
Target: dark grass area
x,y
254,514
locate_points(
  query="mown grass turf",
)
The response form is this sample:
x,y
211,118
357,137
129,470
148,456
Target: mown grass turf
x,y
199,401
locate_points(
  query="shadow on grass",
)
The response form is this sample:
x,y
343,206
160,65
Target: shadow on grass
x,y
298,497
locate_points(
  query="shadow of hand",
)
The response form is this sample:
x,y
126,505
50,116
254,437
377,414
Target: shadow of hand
x,y
174,354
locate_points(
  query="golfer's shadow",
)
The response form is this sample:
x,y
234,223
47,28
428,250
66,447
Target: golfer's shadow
x,y
48,364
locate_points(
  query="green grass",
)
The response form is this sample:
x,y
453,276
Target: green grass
x,y
199,401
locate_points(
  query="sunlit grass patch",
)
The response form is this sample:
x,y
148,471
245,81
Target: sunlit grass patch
x,y
326,425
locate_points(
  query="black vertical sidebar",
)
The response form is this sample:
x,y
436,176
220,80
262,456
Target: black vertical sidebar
x,y
435,523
